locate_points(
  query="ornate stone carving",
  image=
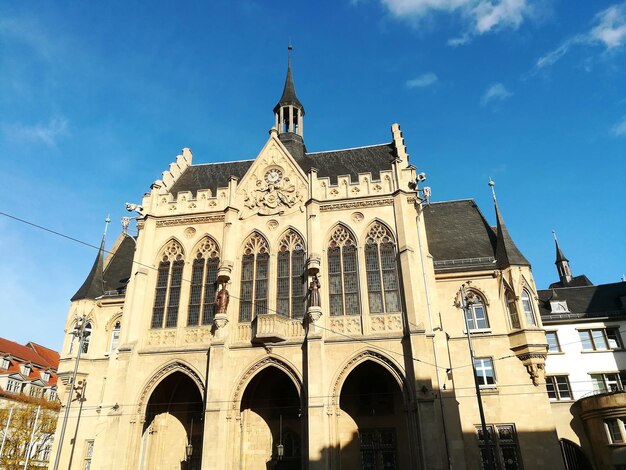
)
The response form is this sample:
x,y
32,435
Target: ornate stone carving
x,y
268,198
189,221
272,224
190,232
356,205
358,217
536,372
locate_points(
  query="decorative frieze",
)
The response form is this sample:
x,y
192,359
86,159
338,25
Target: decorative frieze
x,y
356,205
348,325
386,323
190,220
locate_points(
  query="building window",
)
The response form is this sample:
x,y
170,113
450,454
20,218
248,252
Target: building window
x,y
14,386
503,443
476,314
254,276
558,387
203,284
615,430
86,337
595,339
484,372
553,342
290,288
45,376
609,382
115,336
343,280
529,312
35,391
511,306
88,454
25,369
614,338
382,274
53,395
167,292
5,362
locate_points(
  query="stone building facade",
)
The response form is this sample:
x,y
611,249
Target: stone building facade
x,y
304,310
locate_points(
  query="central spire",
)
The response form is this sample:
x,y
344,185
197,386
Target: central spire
x,y
289,112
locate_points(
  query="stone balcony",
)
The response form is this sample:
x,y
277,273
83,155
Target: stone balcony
x,y
270,328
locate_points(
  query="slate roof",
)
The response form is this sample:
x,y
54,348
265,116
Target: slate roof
x,y
459,237
93,285
289,93
507,252
372,159
119,266
585,301
577,281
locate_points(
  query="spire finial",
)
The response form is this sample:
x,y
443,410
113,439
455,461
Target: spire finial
x,y
289,49
493,189
107,221
554,236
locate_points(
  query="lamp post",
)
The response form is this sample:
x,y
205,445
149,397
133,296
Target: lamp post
x,y
467,299
78,332
280,449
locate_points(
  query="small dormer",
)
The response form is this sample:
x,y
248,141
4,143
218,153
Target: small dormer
x,y
557,304
26,368
45,376
5,362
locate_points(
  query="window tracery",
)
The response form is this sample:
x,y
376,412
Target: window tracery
x,y
343,281
203,284
291,289
381,270
254,277
476,313
529,311
512,309
167,292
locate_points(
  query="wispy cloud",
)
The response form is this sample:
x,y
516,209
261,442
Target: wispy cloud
x,y
422,81
479,16
608,31
619,129
46,133
496,92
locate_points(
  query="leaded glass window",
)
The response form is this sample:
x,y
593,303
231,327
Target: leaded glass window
x,y
167,292
528,309
476,314
254,276
343,280
381,270
203,284
290,286
512,309
86,338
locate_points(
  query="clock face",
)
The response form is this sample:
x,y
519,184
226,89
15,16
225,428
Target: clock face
x,y
273,176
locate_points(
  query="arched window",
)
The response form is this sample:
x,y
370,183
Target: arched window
x,y
476,314
511,306
290,286
343,280
382,274
254,276
167,293
528,309
203,284
115,336
86,337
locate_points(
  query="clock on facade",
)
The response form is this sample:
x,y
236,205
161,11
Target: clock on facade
x,y
273,176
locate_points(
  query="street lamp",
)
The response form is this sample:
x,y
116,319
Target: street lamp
x,y
280,449
78,332
189,446
468,299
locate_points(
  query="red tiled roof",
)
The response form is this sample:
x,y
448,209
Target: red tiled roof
x,y
48,354
29,354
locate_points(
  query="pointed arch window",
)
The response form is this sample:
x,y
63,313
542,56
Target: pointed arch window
x,y
203,284
511,306
115,336
254,276
381,269
476,314
86,338
343,280
527,305
167,293
290,286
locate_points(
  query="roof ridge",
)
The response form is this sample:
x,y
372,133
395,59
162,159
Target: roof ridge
x,y
453,200
221,163
351,148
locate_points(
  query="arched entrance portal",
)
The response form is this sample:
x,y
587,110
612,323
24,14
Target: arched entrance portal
x,y
372,428
174,420
270,416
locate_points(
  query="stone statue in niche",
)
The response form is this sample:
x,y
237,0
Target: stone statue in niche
x,y
222,298
314,293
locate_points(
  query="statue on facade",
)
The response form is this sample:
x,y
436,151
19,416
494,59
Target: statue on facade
x,y
222,298
314,292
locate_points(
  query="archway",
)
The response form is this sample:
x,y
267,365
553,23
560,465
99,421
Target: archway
x,y
373,431
271,416
173,421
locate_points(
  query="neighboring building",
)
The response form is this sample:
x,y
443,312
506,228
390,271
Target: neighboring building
x,y
586,364
302,310
28,403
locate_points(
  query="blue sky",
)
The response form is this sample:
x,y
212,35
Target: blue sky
x,y
98,97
